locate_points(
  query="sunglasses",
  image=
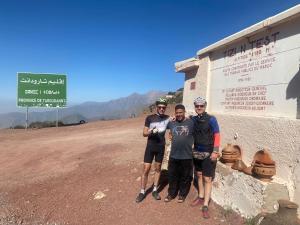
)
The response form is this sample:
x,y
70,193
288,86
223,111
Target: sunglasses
x,y
199,106
161,107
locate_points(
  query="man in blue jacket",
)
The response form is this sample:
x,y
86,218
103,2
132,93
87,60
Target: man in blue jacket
x,y
205,153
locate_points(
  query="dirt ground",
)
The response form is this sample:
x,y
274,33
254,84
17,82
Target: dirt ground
x,y
52,176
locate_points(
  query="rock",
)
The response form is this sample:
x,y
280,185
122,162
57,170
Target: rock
x,y
286,214
283,203
138,179
99,195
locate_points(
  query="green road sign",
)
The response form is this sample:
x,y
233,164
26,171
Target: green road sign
x,y
41,90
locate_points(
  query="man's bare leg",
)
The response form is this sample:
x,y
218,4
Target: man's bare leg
x,y
207,189
207,193
157,173
144,179
145,174
200,185
199,199
157,167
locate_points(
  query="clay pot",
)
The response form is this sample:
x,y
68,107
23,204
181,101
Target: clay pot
x,y
263,165
257,164
238,150
229,157
239,165
230,154
264,172
263,157
228,148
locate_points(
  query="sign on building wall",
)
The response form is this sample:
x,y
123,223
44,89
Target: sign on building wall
x,y
41,90
259,75
193,85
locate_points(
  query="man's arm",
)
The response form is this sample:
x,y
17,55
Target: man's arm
x,y
147,131
170,136
216,132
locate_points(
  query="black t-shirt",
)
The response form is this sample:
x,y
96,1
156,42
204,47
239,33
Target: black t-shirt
x,y
159,122
182,139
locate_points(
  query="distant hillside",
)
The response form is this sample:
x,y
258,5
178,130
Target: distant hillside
x,y
114,109
173,98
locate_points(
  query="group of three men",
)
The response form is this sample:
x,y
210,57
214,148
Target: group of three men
x,y
195,144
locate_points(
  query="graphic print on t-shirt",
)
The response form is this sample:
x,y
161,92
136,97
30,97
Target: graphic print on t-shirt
x,y
181,130
182,139
159,122
160,126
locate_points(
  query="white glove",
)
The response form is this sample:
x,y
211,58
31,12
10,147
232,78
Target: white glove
x,y
155,130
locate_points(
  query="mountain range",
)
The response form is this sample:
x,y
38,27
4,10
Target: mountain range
x,y
115,109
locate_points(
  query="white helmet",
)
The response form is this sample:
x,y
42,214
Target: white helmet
x,y
200,101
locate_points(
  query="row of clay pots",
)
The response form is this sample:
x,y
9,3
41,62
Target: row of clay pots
x,y
262,167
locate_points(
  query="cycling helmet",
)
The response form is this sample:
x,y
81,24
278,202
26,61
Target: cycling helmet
x,y
200,101
161,101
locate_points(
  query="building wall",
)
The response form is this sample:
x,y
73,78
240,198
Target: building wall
x,y
258,75
188,94
280,136
199,76
273,126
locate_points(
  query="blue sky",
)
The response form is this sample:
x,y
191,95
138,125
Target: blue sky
x,y
110,49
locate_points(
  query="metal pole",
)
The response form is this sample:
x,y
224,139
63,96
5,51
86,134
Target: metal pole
x,y
26,118
57,117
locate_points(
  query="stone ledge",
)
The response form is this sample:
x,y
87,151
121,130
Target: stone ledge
x,y
187,65
246,194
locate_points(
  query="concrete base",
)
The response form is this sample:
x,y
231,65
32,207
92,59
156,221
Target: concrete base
x,y
246,194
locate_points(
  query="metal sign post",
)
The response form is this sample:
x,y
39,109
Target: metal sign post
x,y
56,116
26,126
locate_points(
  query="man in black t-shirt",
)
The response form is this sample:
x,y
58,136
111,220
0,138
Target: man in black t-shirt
x,y
154,129
181,159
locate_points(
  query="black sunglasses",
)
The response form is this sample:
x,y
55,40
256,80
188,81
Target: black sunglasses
x,y
161,107
199,106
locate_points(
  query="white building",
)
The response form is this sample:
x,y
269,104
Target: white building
x,y
251,81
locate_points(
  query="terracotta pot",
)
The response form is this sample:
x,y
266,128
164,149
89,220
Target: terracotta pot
x,y
263,157
264,173
230,154
238,150
229,148
239,165
257,164
229,158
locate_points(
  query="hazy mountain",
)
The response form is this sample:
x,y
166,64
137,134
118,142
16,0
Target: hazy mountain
x,y
9,105
114,109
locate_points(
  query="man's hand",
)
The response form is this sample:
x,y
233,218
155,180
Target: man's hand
x,y
150,131
214,156
147,131
172,118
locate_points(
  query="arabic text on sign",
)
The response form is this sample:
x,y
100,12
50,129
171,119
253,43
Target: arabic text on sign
x,y
58,81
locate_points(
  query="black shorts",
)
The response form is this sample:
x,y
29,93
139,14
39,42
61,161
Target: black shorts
x,y
206,166
156,151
